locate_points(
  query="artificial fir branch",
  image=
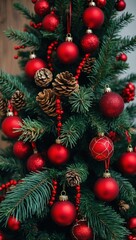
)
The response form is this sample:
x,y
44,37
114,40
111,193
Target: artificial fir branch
x,y
25,11
126,44
81,169
8,164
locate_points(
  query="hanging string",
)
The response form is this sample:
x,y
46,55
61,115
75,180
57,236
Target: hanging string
x,y
69,17
107,164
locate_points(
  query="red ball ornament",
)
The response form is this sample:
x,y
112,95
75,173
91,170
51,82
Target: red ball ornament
x,y
9,126
131,237
81,231
89,43
101,3
122,57
93,17
106,189
58,154
50,22
120,5
41,7
22,149
35,162
131,224
101,148
111,104
127,163
34,65
67,52
2,237
13,224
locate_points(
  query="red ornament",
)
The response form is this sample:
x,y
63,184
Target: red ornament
x,y
58,154
50,22
122,57
93,17
41,7
131,224
106,189
128,92
10,125
111,104
22,150
2,237
89,43
81,231
13,224
101,148
35,162
67,52
120,5
131,237
34,65
101,3
127,163
33,1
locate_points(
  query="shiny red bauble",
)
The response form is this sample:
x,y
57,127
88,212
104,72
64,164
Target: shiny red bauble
x,y
34,65
101,148
63,213
120,5
111,104
131,224
122,57
9,126
127,163
101,3
93,17
67,52
106,189
35,162
41,7
50,22
2,237
89,43
13,224
58,154
81,231
131,237
22,149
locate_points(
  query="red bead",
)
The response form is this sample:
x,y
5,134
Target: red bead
x,y
3,186
49,52
11,181
13,224
51,203
16,57
55,182
59,124
78,195
52,198
2,237
1,189
58,101
54,191
34,1
78,188
7,184
59,118
122,57
93,17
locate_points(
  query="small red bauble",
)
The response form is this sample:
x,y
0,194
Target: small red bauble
x,y
106,189
120,5
122,57
131,224
63,213
111,104
50,22
131,237
34,65
13,224
22,149
89,43
58,154
81,231
41,7
2,237
35,162
33,1
93,17
67,52
127,163
9,126
101,148
101,3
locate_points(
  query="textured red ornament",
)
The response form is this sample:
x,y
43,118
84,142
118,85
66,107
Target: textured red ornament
x,y
10,124
101,3
58,154
106,189
22,150
67,52
128,92
13,224
63,213
41,7
34,65
120,5
2,237
111,104
50,22
93,17
127,163
89,43
131,224
101,148
81,231
35,162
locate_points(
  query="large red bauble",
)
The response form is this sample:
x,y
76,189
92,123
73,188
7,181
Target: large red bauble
x,y
127,163
131,224
50,22
101,148
13,224
35,162
81,231
120,5
9,126
93,17
89,43
41,7
34,65
106,189
111,104
67,52
58,154
22,149
101,3
2,237
63,213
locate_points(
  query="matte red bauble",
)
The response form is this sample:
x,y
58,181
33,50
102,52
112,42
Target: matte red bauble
x,y
106,189
10,124
63,213
101,3
101,148
2,237
58,154
89,43
81,231
93,17
111,104
35,162
34,65
22,149
131,224
50,22
67,52
13,224
120,5
127,163
41,7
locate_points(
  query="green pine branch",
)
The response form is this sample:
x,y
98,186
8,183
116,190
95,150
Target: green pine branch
x,y
8,164
126,44
81,169
25,11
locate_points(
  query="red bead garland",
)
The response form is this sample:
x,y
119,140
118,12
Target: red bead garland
x,y
79,68
59,112
52,47
128,92
36,25
78,196
53,192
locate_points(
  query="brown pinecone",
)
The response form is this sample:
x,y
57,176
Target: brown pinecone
x,y
123,206
65,84
73,178
3,107
47,101
43,77
18,100
87,68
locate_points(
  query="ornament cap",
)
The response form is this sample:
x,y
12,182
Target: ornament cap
x,y
92,3
32,55
10,113
69,38
89,30
106,174
130,148
107,88
63,196
58,141
100,134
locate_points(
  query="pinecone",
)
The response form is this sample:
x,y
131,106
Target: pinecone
x,y
3,107
123,206
18,100
73,178
43,77
47,101
87,68
65,84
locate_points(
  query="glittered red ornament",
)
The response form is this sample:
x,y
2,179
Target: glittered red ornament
x,y
13,224
58,154
111,104
67,52
93,17
81,231
101,148
50,22
106,189
9,126
131,224
41,7
120,5
22,149
2,237
35,162
34,65
89,43
101,3
127,163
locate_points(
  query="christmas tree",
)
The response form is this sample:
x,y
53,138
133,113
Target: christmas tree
x,y
69,172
